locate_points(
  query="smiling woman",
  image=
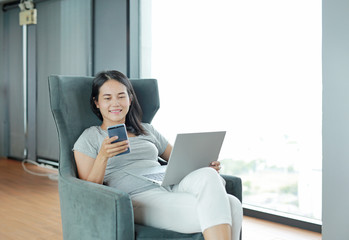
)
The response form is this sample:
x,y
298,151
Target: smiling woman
x,y
184,207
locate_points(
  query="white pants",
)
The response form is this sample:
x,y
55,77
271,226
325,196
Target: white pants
x,y
198,202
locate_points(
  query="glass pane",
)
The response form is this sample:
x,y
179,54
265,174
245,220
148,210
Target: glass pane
x,y
252,68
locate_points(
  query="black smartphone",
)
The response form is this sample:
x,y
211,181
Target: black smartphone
x,y
120,131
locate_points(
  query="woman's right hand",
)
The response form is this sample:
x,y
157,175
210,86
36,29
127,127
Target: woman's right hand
x,y
93,170
109,149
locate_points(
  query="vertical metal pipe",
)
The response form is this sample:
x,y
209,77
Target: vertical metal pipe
x,y
25,89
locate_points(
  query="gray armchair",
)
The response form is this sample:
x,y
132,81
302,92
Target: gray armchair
x,y
94,211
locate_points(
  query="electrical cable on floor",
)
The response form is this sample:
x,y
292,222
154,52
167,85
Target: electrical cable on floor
x,y
52,176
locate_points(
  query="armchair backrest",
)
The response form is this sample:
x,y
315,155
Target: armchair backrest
x,y
70,105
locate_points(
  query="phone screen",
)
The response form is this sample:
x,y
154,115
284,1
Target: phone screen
x,y
120,131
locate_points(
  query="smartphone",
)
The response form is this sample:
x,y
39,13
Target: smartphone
x,y
120,131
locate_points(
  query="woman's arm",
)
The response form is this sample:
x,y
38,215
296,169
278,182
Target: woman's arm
x,y
93,170
167,153
90,169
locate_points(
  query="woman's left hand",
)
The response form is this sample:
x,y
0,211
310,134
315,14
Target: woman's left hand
x,y
216,165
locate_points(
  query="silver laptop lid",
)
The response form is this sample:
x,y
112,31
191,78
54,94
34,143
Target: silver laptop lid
x,y
190,152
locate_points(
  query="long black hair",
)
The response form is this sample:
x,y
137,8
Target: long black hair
x,y
134,115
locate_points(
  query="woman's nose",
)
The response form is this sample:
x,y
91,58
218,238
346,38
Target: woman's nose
x,y
115,102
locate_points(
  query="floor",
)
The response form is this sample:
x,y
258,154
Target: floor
x,y
254,229
29,209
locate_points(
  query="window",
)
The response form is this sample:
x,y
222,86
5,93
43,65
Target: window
x,y
252,68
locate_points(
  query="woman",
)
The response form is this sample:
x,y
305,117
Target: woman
x,y
198,203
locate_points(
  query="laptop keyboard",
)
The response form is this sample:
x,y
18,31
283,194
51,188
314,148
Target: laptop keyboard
x,y
155,176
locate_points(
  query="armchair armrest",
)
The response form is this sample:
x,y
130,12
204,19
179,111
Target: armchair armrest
x,y
94,211
233,186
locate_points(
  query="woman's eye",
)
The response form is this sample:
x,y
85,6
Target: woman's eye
x,y
107,98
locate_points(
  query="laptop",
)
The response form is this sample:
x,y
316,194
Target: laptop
x,y
190,152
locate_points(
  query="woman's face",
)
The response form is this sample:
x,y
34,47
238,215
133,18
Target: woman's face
x,y
113,103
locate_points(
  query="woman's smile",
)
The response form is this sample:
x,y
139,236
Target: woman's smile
x,y
117,111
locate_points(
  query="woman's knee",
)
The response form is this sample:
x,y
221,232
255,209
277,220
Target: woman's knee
x,y
207,173
210,175
198,180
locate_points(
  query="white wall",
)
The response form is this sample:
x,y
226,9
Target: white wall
x,y
335,119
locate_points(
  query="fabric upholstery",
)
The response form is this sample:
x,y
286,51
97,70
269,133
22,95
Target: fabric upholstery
x,y
89,210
